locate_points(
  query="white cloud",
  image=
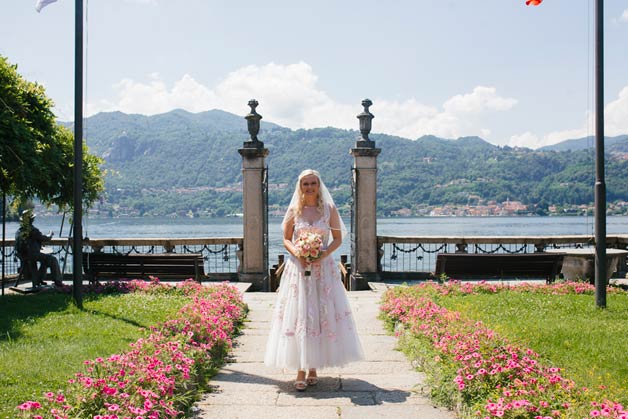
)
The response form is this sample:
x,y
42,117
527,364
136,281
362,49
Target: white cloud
x,y
289,96
482,98
531,140
616,115
615,123
155,97
568,134
460,115
624,16
527,139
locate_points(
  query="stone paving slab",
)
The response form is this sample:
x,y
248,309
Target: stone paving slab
x,y
260,318
403,411
278,412
328,398
325,412
355,368
264,383
257,324
254,332
395,397
407,381
384,385
371,367
241,397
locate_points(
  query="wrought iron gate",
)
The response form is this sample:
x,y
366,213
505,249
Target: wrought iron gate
x,y
265,222
354,222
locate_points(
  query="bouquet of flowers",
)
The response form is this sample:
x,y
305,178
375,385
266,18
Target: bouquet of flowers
x,y
309,246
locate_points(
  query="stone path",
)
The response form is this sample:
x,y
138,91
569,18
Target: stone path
x,y
382,386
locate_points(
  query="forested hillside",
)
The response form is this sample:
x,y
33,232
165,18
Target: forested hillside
x,y
181,163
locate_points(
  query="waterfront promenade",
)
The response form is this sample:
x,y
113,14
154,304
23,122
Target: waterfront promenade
x,y
384,385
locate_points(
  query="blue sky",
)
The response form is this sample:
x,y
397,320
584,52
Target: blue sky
x,y
509,73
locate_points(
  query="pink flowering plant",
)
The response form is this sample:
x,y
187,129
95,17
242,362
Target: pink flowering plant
x,y
478,372
160,375
122,286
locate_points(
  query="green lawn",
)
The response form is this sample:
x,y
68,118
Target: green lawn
x,y
44,338
568,331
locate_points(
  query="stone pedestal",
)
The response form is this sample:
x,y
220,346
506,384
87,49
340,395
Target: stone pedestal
x,y
579,264
365,251
252,268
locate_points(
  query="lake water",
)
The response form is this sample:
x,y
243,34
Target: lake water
x,y
232,227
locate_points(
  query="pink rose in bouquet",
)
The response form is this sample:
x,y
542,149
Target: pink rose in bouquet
x,y
309,246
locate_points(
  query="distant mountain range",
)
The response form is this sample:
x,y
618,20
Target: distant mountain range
x,y
583,143
185,163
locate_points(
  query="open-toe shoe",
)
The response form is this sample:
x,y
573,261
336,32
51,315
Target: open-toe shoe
x,y
300,385
311,381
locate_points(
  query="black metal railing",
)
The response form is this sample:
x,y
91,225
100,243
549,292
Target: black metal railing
x,y
222,255
417,254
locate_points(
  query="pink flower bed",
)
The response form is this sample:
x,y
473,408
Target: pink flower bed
x,y
493,377
158,376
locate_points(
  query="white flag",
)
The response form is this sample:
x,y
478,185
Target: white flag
x,y
42,3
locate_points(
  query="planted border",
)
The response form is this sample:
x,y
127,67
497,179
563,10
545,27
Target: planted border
x,y
478,372
161,375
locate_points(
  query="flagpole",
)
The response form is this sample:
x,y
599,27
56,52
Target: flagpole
x,y
77,242
4,232
600,183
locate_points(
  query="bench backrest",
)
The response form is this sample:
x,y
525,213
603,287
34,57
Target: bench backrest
x,y
166,265
529,265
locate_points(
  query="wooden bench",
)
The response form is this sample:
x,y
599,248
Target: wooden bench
x,y
494,265
142,265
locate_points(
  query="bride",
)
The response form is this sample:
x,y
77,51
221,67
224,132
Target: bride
x,y
312,324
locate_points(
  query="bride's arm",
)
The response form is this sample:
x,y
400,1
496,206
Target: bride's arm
x,y
336,233
287,242
287,238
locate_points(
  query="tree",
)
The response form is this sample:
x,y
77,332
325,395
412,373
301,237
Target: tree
x,y
37,154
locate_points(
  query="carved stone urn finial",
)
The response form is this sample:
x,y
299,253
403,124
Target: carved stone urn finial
x,y
365,125
253,123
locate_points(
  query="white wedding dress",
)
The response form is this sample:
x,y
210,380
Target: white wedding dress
x,y
312,324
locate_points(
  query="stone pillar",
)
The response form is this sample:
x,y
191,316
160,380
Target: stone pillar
x,y
253,162
364,223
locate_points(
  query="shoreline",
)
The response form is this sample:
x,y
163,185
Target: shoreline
x,y
383,217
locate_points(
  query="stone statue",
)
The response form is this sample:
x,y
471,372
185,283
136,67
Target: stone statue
x,y
28,248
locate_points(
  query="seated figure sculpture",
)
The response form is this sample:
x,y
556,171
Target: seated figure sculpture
x,y
28,248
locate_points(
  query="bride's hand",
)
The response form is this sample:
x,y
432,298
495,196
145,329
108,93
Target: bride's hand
x,y
324,253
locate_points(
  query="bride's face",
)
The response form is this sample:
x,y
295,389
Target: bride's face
x,y
310,186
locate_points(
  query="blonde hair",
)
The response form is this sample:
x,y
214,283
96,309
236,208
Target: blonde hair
x,y
301,201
